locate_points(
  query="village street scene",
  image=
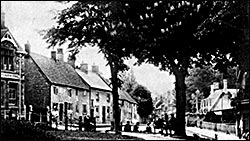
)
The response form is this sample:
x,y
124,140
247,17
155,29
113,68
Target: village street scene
x,y
125,70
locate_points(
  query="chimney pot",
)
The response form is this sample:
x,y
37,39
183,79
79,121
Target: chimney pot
x,y
95,68
53,55
2,18
84,67
60,56
224,85
27,47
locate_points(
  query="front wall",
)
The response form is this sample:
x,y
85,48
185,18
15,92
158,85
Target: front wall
x,y
62,96
102,102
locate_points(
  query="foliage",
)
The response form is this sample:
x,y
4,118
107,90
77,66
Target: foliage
x,y
175,35
201,79
24,130
128,81
144,100
101,24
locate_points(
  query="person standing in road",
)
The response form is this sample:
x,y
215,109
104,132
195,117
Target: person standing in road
x,y
166,125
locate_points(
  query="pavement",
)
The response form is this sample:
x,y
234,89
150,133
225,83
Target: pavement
x,y
211,134
190,131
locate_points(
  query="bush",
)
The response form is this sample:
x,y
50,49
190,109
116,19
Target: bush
x,y
13,129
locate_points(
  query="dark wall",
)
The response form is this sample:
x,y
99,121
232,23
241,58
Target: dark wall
x,y
37,87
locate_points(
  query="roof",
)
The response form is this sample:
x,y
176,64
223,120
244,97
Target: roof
x,y
93,80
222,102
125,96
13,40
58,72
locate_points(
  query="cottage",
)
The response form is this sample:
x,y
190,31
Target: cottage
x,y
52,85
128,107
100,93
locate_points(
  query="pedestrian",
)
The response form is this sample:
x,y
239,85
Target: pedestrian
x,y
148,128
172,123
127,127
166,125
136,127
87,123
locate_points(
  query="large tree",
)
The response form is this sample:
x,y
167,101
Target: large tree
x,y
174,35
145,103
101,24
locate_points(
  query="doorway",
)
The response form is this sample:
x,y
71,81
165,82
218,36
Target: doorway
x,y
60,111
103,114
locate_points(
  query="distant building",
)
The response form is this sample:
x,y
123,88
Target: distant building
x,y
219,102
101,94
128,107
12,78
52,85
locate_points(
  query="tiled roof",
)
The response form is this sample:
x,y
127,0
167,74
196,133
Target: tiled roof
x,y
58,72
125,96
94,80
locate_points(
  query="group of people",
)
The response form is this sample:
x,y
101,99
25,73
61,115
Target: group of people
x,y
166,125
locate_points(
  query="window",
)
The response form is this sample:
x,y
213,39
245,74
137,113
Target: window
x,y
108,97
2,93
97,109
55,106
7,56
69,92
70,106
84,108
92,102
84,93
12,93
108,109
76,92
97,96
55,89
77,109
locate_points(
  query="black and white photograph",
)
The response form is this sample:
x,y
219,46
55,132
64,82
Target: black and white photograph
x,y
125,70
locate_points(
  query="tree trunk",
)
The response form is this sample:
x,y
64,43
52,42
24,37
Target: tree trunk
x,y
180,88
116,113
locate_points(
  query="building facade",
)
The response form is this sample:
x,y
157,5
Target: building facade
x,y
12,77
52,85
100,93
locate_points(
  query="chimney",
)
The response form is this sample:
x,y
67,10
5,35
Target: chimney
x,y
225,85
212,89
53,55
2,18
84,67
60,54
95,68
72,60
27,47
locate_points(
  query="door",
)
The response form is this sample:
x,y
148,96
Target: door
x,y
60,111
103,114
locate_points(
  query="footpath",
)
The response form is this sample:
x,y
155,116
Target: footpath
x,y
211,134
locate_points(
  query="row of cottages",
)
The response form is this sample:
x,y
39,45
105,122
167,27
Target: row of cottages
x,y
12,76
219,102
100,93
53,86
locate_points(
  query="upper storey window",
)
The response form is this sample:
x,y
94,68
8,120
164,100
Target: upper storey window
x,y
7,56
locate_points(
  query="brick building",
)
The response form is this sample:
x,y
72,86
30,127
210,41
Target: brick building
x,y
53,85
12,78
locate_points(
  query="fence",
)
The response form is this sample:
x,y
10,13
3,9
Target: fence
x,y
228,128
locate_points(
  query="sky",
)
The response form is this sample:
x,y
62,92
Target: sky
x,y
26,18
